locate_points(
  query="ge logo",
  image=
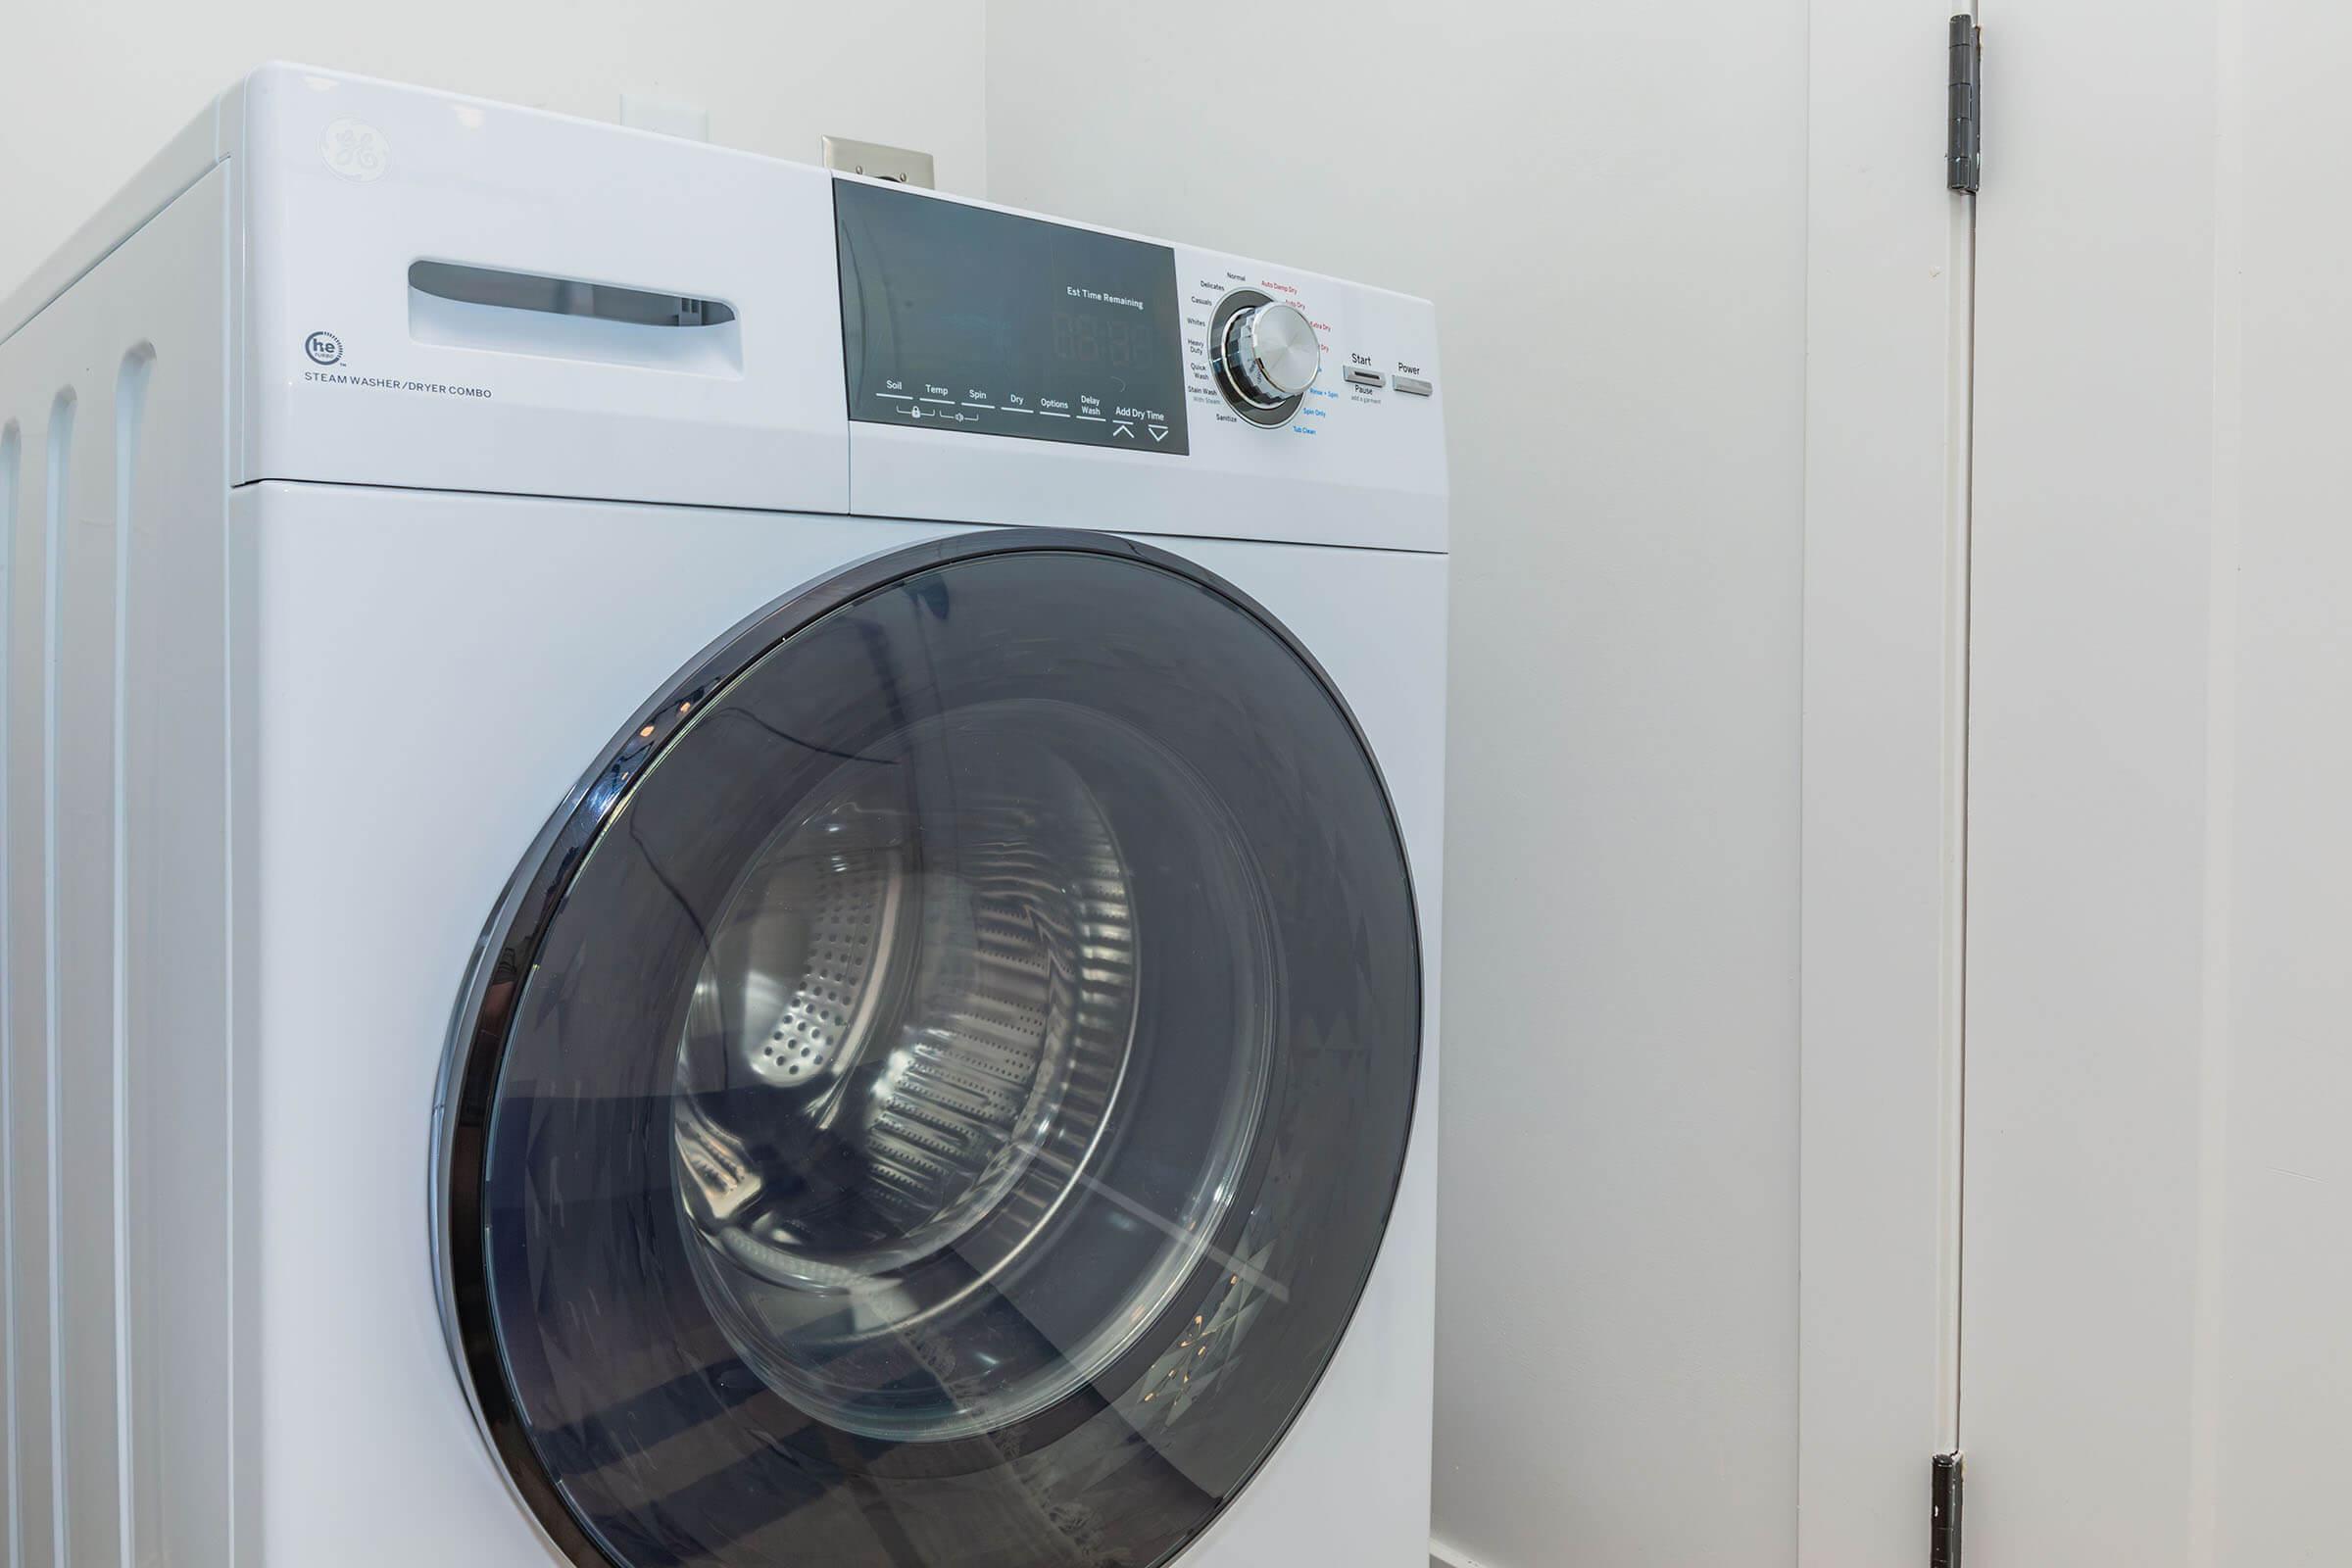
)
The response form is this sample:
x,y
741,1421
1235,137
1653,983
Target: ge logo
x,y
356,150
323,347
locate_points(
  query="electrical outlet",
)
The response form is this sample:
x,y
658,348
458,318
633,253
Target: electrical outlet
x,y
876,162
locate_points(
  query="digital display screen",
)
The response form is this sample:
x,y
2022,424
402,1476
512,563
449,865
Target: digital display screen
x,y
959,319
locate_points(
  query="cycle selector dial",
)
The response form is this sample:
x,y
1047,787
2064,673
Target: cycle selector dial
x,y
1267,357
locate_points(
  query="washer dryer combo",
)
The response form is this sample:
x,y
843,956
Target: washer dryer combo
x,y
707,864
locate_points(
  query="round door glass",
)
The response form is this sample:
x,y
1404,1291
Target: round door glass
x,y
938,1097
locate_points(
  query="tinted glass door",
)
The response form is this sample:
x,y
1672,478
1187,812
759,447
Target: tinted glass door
x,y
935,1094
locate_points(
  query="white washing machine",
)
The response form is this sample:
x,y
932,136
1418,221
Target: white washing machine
x,y
707,865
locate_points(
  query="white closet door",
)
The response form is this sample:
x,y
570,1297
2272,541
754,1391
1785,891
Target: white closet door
x,y
2156,1355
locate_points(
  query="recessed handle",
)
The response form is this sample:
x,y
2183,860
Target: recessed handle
x,y
571,318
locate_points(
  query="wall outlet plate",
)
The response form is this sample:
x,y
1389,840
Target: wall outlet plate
x,y
878,162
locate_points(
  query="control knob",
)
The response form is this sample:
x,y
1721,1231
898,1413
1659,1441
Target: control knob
x,y
1271,354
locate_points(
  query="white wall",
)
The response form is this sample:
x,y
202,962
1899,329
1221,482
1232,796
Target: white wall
x,y
89,91
1608,204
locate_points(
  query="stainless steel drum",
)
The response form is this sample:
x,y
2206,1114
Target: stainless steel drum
x,y
901,1053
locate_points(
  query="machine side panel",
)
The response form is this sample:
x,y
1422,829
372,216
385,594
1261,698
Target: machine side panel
x,y
118,1266
181,164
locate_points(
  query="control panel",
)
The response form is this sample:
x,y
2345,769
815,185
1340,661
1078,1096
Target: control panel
x,y
1002,368
1284,351
964,318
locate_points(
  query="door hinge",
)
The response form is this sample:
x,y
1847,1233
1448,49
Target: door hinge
x,y
1964,124
1943,1512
